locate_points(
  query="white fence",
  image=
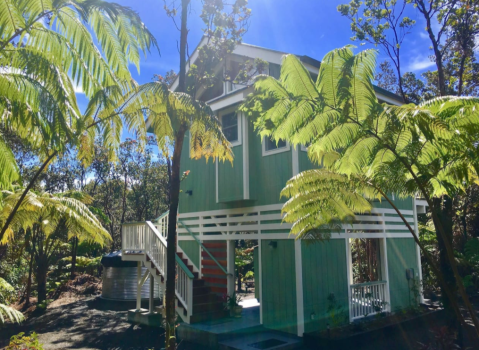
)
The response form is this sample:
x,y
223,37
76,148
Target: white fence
x,y
368,299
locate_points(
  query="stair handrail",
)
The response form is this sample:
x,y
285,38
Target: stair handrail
x,y
204,248
180,262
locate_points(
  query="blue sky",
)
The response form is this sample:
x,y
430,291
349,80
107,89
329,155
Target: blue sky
x,y
303,27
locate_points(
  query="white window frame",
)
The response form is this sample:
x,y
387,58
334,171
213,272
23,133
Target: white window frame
x,y
273,151
240,124
304,148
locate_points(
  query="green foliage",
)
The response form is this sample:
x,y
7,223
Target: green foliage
x,y
366,149
7,312
337,314
472,252
49,49
24,342
7,292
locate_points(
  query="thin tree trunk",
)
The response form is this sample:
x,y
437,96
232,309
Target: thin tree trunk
x,y
171,248
74,257
28,290
443,208
41,277
22,197
174,193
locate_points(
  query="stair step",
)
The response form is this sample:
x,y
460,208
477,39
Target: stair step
x,y
211,271
198,283
205,298
217,255
205,262
216,280
214,244
208,316
200,290
208,307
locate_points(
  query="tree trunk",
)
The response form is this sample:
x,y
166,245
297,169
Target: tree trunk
x,y
74,257
41,277
171,239
28,290
174,194
444,209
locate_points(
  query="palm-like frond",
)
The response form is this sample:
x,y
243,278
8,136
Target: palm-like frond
x,y
48,211
430,149
48,50
168,111
10,313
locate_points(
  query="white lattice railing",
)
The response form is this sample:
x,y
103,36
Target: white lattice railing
x,y
146,238
229,223
368,299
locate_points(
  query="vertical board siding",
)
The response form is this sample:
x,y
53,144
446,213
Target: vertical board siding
x,y
400,203
192,251
324,272
269,174
201,181
257,285
279,287
304,162
230,178
401,256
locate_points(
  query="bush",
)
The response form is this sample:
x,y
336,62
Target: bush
x,y
24,342
7,292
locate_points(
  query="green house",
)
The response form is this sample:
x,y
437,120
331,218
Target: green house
x,y
372,265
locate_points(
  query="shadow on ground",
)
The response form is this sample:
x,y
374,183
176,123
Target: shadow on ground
x,y
85,324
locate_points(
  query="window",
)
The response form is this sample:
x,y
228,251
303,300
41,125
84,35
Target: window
x,y
229,124
272,147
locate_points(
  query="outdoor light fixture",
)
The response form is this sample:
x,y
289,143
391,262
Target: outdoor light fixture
x,y
189,192
273,244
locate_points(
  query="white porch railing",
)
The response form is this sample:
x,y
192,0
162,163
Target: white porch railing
x,y
146,238
368,299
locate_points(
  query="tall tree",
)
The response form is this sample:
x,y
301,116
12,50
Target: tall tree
x,y
384,23
173,113
47,48
367,150
49,217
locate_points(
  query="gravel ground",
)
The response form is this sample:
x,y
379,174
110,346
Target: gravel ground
x,y
84,325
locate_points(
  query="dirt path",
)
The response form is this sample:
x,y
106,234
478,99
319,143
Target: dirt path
x,y
83,325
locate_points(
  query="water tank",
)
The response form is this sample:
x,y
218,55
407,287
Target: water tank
x,y
119,279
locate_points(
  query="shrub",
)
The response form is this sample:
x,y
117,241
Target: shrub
x,y
24,342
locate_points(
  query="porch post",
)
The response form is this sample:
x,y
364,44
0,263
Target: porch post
x,y
152,293
418,251
260,272
299,285
349,269
384,266
230,256
138,286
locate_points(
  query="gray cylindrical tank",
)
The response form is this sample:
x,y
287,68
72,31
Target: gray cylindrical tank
x,y
119,279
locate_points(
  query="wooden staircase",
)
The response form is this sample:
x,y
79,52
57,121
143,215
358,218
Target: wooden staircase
x,y
207,305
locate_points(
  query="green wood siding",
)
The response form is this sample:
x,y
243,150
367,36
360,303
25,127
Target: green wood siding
x,y
230,183
201,181
279,286
256,271
192,250
324,272
401,255
400,203
304,162
267,175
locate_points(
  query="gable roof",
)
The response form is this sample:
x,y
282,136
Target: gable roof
x,y
275,56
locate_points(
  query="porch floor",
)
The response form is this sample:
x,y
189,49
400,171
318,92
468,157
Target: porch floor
x,y
237,333
249,319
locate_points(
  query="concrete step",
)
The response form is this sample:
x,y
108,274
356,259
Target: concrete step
x,y
208,316
268,340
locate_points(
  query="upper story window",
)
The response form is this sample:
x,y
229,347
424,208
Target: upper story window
x,y
231,126
272,147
